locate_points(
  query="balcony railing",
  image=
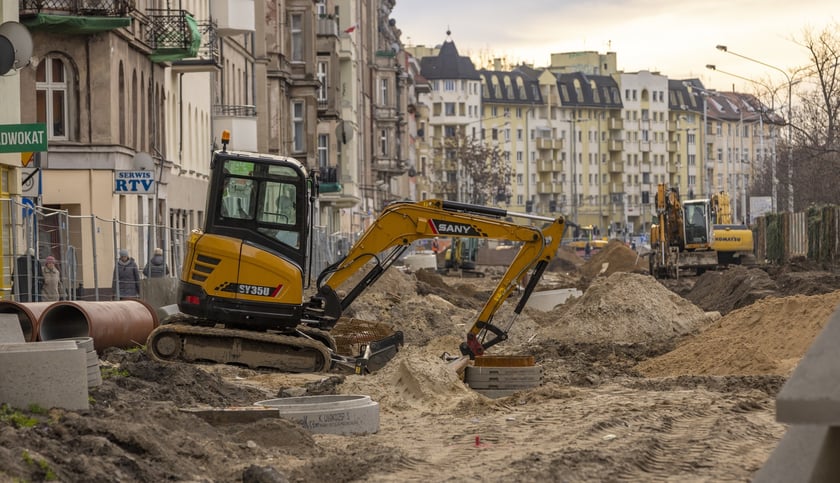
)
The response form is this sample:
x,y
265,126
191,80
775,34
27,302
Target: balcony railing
x,y
170,30
234,111
81,8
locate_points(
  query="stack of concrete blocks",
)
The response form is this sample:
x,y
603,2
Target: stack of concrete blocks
x,y
809,403
52,374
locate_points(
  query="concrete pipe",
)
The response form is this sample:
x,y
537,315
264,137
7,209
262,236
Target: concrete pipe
x,y
124,323
28,314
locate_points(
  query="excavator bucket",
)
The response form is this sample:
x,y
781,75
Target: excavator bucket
x,y
364,346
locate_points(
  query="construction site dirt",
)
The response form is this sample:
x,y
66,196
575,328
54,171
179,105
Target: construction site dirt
x,y
643,380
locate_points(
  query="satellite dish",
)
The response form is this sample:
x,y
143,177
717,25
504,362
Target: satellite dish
x,y
144,160
7,55
21,41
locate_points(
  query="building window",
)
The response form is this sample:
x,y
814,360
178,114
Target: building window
x,y
322,79
298,142
323,151
296,32
449,85
449,109
383,92
383,142
51,96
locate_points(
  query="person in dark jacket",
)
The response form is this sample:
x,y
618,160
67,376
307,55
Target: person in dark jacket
x,y
156,266
126,282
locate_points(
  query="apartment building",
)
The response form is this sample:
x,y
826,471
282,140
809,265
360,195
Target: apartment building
x,y
143,89
454,101
508,101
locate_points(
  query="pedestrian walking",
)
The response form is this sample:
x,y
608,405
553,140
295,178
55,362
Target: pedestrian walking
x,y
53,289
126,283
156,266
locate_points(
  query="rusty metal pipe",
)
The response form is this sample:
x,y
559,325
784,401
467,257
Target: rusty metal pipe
x,y
28,314
124,323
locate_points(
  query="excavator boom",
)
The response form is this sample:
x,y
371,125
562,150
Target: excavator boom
x,y
403,223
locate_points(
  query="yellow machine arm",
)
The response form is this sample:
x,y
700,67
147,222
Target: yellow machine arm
x,y
403,223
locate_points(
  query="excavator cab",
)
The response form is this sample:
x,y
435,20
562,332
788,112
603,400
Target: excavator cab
x,y
248,266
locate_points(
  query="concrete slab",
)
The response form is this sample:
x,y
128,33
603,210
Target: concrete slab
x,y
50,374
811,395
10,331
805,454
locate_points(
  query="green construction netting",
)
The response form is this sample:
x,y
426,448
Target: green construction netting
x,y
169,54
68,24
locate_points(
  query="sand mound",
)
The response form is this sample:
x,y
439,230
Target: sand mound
x,y
624,308
566,260
414,379
615,257
767,337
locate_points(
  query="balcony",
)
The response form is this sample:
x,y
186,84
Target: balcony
x,y
548,143
75,16
234,17
241,121
329,180
615,166
672,168
644,146
672,147
616,124
549,187
327,26
615,145
391,166
207,57
616,187
549,166
172,34
672,125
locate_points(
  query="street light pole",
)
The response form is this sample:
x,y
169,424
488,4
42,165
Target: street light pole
x,y
724,48
704,94
774,180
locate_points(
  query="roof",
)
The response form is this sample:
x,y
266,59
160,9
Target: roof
x,y
448,65
580,90
510,87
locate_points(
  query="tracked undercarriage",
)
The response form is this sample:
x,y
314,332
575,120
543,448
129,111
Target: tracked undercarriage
x,y
189,339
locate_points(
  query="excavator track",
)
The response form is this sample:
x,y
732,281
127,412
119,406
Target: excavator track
x,y
256,350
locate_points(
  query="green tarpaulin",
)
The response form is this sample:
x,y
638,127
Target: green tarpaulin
x,y
172,53
68,24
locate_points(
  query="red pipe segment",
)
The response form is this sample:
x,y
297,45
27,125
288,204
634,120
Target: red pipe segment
x,y
28,313
124,323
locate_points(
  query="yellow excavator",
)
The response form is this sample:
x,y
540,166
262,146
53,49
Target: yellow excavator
x,y
695,234
242,291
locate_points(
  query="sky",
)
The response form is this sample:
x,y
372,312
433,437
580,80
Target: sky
x,y
674,37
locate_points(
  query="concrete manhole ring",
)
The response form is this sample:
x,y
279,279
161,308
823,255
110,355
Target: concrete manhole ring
x,y
330,414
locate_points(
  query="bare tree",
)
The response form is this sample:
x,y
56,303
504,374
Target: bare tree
x,y
473,171
816,120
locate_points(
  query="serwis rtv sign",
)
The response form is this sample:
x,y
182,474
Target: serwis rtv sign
x,y
134,182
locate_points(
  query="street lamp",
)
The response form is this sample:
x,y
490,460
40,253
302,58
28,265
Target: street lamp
x,y
705,131
773,178
725,49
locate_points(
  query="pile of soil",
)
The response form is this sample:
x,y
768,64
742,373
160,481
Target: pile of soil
x,y
623,308
615,257
726,290
769,336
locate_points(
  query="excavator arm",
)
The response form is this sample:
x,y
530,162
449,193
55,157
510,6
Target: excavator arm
x,y
402,223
